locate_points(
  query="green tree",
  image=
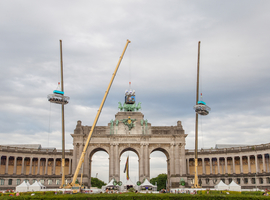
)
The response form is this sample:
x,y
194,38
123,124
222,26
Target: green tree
x,y
95,182
160,180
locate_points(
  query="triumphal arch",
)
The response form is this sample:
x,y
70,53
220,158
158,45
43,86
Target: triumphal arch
x,y
130,131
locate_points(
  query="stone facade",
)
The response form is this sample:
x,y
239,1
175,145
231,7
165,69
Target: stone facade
x,y
28,163
247,166
129,131
143,139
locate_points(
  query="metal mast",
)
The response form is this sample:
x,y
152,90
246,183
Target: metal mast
x,y
59,98
196,121
201,109
63,119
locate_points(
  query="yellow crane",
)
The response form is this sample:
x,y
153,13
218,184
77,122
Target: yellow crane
x,y
72,184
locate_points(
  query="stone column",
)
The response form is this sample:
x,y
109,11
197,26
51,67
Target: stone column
x,y
22,172
249,168
54,165
183,170
177,162
7,160
86,174
233,165
267,163
256,163
46,166
15,165
241,164
203,165
226,165
188,166
211,166
31,163
90,172
74,160
61,167
38,168
172,159
218,165
111,166
69,167
263,159
147,162
117,163
141,161
80,152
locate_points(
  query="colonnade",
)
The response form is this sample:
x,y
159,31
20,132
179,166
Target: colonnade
x,y
234,164
25,165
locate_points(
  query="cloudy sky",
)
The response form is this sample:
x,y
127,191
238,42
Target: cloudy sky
x,y
160,62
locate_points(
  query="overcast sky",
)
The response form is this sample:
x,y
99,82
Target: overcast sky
x,y
160,62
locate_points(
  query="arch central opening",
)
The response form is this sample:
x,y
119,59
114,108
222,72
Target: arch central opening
x,y
132,166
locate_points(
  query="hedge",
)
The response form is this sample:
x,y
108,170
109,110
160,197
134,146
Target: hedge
x,y
133,196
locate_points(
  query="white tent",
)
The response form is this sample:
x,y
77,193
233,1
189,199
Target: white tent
x,y
23,187
129,182
234,186
110,184
146,183
36,186
42,186
221,186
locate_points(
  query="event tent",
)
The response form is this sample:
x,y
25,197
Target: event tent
x,y
23,187
43,186
129,182
146,183
36,186
110,184
234,186
221,186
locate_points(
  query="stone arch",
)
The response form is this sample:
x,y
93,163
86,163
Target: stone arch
x,y
166,153
162,149
134,149
96,149
88,165
168,159
129,149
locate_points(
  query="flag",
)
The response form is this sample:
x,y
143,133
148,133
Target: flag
x,y
126,170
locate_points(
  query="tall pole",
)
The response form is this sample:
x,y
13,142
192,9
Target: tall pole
x,y
196,185
63,120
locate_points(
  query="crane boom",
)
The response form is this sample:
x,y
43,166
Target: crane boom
x,y
96,119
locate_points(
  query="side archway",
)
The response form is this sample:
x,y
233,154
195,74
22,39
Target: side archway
x,y
98,165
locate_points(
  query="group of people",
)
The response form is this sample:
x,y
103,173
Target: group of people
x,y
164,191
111,191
